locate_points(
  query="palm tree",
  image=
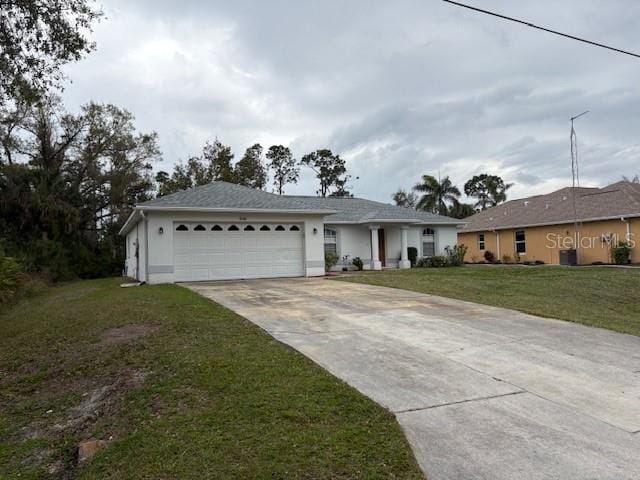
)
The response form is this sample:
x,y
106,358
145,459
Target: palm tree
x,y
436,194
402,198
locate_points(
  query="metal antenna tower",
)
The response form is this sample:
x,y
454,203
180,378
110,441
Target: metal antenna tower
x,y
575,174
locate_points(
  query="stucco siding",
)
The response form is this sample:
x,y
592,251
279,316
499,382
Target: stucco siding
x,y
545,243
161,245
392,246
414,239
447,236
135,266
314,247
353,240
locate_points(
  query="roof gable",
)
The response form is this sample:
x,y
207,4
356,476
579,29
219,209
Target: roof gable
x,y
617,200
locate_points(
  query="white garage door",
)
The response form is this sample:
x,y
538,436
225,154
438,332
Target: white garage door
x,y
225,251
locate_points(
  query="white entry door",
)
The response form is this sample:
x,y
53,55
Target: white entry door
x,y
226,251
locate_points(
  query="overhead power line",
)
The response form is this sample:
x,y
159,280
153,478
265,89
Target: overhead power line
x,y
528,24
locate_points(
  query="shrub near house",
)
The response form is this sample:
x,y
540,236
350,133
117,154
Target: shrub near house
x,y
454,258
330,260
10,271
358,263
15,282
621,253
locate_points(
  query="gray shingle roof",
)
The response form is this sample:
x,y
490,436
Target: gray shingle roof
x,y
617,200
221,195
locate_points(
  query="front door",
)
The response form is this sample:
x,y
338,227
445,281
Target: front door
x,y
382,247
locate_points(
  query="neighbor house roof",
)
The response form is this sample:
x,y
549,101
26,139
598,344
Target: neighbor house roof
x,y
618,200
223,196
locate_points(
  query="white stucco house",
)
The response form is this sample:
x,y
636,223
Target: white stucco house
x,y
223,231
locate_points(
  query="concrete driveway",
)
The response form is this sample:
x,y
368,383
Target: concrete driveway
x,y
481,392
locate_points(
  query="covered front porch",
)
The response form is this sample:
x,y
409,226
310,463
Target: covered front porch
x,y
379,239
385,245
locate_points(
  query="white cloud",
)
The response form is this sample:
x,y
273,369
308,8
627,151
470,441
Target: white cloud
x,y
398,88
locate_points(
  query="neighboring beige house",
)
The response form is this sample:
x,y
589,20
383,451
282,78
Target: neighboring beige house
x,y
538,228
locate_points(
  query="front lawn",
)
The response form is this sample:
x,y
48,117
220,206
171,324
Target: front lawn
x,y
601,297
175,387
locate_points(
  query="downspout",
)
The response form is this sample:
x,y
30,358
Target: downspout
x,y
138,251
146,246
628,237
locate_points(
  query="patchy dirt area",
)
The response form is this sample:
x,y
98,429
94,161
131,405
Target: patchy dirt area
x,y
77,403
127,333
100,402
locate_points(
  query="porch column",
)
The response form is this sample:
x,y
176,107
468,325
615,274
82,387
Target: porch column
x,y
404,255
376,264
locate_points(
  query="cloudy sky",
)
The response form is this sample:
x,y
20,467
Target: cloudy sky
x,y
399,89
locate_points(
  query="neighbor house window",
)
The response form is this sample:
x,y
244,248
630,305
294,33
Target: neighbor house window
x,y
428,242
481,241
182,228
520,242
199,228
330,240
249,228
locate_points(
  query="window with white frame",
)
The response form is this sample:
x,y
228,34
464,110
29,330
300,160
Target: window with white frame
x,y
521,246
330,240
428,242
481,241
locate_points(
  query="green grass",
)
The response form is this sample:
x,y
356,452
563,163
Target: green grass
x,y
600,297
220,398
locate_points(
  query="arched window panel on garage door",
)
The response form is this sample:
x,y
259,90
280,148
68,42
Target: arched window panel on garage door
x,y
231,227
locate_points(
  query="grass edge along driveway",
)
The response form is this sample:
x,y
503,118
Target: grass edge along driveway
x,y
595,296
175,386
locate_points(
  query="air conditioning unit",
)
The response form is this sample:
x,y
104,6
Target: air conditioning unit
x,y
568,257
